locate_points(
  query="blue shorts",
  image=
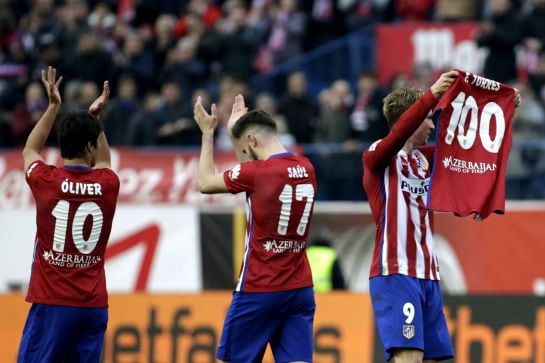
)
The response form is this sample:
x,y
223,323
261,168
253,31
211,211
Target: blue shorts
x,y
63,334
283,319
409,315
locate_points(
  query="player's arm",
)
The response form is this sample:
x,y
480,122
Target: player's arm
x,y
208,181
380,153
239,110
103,159
37,137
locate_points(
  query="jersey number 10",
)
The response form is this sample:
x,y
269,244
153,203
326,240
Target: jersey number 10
x,y
462,107
60,212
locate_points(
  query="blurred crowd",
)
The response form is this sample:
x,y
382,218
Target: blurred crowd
x,y
159,55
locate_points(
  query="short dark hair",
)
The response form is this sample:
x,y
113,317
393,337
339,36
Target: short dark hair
x,y
398,101
258,118
76,130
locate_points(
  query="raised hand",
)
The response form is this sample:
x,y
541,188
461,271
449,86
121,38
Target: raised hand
x,y
52,86
207,122
100,103
239,110
443,83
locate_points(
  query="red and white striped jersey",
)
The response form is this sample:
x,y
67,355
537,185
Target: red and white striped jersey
x,y
397,184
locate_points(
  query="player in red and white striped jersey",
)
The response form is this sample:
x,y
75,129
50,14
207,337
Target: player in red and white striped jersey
x,y
404,274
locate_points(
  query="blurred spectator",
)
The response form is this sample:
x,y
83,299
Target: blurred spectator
x,y
138,61
526,167
367,119
411,10
399,80
326,269
334,120
183,67
204,9
88,92
534,38
229,87
28,113
92,62
287,32
423,75
120,111
537,80
101,19
324,23
456,10
70,97
164,39
175,118
237,42
267,103
500,35
299,109
142,125
357,14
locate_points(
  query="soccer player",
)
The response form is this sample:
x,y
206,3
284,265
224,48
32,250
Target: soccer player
x,y
75,206
404,278
274,299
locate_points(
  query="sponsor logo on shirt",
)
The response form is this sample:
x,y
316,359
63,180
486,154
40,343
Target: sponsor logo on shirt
x,y
234,172
275,246
69,260
415,186
467,167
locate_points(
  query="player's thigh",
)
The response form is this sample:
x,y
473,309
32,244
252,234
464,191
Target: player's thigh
x,y
293,339
88,343
48,333
407,356
247,328
437,338
397,305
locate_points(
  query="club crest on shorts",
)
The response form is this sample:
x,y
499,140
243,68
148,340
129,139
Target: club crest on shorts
x,y
408,331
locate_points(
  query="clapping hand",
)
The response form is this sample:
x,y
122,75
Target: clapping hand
x,y
239,110
52,86
100,103
207,122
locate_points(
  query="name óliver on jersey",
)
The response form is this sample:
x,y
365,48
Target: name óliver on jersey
x,y
75,207
280,195
397,183
473,144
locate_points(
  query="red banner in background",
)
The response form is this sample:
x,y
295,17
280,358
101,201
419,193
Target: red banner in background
x,y
146,176
442,45
502,254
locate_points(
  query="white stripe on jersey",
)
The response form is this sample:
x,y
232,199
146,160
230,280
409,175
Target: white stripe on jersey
x,y
246,244
408,212
429,237
386,183
402,214
415,218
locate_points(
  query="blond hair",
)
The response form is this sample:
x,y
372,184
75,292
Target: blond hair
x,y
398,101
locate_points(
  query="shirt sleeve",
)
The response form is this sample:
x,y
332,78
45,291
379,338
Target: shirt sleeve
x,y
35,171
240,178
381,152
